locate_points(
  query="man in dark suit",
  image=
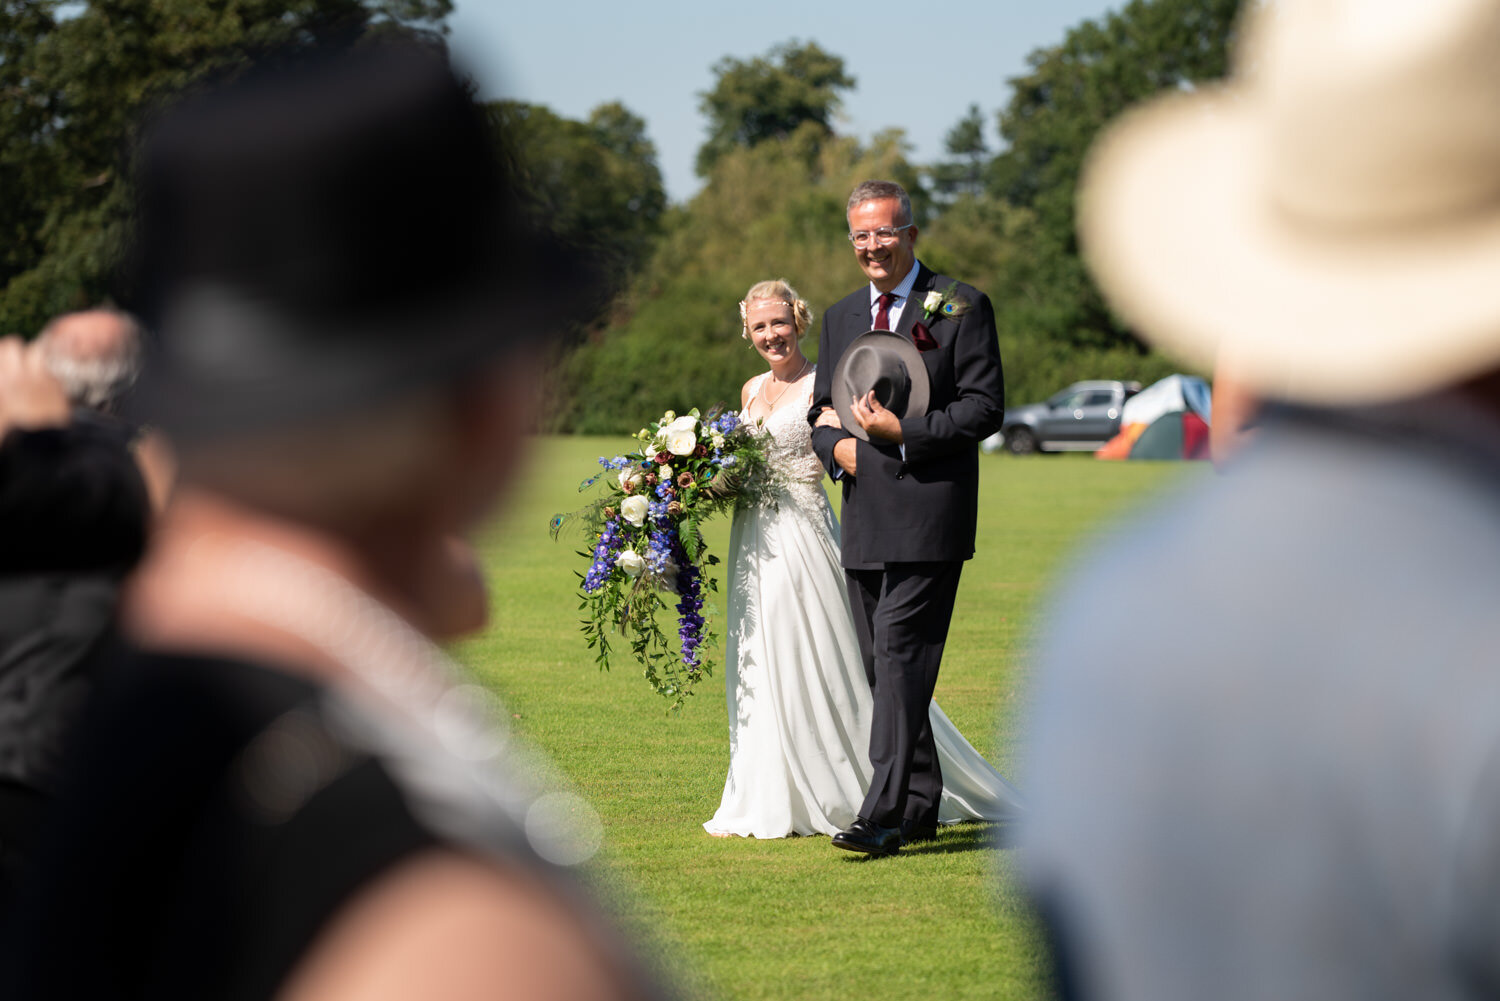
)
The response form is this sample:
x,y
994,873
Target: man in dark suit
x,y
910,498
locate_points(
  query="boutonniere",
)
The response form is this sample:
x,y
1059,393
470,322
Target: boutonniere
x,y
946,304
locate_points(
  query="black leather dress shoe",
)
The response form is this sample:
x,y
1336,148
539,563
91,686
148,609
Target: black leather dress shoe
x,y
863,836
913,833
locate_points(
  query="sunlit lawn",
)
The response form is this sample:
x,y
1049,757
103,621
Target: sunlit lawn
x,y
793,918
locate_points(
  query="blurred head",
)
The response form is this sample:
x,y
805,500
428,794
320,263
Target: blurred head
x,y
95,354
344,292
881,231
328,236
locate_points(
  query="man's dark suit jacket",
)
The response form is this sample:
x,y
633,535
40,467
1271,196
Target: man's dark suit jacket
x,y
925,507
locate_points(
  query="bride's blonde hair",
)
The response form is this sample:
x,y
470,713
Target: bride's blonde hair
x,y
777,290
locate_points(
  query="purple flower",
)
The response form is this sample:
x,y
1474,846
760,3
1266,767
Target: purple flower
x,y
689,608
659,552
605,553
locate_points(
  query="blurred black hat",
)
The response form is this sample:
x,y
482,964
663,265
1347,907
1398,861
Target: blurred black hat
x,y
319,236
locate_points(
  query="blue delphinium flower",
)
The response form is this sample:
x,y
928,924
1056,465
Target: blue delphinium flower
x,y
689,612
605,553
659,550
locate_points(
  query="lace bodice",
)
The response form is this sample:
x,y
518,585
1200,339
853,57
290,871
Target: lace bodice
x,y
791,451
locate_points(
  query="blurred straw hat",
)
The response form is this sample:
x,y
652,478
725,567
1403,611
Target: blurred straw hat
x,y
1329,218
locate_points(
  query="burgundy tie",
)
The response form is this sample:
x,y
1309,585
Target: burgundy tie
x,y
883,314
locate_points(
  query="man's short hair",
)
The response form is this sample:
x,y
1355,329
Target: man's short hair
x,y
95,373
869,191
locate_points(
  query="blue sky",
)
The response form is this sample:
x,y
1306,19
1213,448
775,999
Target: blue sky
x,y
916,68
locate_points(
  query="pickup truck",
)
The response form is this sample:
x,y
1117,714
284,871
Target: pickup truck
x,y
1080,418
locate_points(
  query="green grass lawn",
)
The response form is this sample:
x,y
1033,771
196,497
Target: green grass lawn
x,y
792,918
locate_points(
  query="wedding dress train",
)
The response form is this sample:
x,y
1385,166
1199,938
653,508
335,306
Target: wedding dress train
x,y
799,704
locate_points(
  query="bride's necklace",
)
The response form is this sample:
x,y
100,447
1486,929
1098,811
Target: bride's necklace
x,y
771,403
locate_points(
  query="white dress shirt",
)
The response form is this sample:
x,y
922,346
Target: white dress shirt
x,y
902,291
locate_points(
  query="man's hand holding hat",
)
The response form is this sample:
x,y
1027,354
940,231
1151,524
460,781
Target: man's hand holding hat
x,y
876,419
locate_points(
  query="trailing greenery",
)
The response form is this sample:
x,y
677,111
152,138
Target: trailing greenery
x,y
645,540
738,918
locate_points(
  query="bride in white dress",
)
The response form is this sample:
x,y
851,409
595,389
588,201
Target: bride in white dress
x,y
799,704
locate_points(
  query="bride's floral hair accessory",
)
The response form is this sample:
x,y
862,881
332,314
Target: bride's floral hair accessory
x,y
777,290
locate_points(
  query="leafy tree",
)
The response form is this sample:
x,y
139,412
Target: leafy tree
x,y
73,80
770,97
595,183
966,143
1072,90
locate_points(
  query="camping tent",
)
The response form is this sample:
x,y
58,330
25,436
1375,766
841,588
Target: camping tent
x,y
1167,420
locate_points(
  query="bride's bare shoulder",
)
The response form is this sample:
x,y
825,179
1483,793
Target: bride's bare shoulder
x,y
748,390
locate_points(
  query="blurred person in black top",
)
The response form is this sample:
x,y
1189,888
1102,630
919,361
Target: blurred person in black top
x,y
73,516
281,787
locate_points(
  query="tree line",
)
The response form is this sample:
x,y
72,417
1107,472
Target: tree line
x,y
775,173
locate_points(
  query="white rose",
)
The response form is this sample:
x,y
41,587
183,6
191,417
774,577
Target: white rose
x,y
718,441
933,301
634,509
631,561
682,442
665,472
687,422
630,478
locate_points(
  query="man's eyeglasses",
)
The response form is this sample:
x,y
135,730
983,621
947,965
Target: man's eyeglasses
x,y
884,236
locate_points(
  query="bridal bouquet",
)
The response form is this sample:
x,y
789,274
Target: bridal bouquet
x,y
648,547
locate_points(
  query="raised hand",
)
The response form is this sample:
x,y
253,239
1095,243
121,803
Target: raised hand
x,y
30,397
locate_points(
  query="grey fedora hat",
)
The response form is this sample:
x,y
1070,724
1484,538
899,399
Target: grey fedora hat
x,y
886,364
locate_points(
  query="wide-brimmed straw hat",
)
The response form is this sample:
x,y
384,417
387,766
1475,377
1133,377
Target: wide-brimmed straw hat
x,y
1328,221
320,236
887,364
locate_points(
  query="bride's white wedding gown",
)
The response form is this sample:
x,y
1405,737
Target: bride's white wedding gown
x,y
799,704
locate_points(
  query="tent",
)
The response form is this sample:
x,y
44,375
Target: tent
x,y
1167,420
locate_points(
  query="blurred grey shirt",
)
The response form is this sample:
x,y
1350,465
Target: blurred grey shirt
x,y
1264,749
